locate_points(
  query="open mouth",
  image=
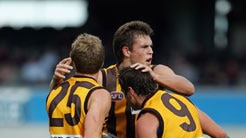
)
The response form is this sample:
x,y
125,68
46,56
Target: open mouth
x,y
149,60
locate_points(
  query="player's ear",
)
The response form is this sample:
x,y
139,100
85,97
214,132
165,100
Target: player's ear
x,y
125,51
131,91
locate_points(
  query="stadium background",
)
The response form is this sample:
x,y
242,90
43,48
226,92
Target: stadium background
x,y
202,40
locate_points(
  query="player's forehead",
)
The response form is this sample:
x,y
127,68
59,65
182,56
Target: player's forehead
x,y
142,40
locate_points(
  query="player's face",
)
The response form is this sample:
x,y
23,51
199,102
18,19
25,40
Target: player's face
x,y
132,102
142,50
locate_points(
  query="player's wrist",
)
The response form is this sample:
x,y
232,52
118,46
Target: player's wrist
x,y
56,79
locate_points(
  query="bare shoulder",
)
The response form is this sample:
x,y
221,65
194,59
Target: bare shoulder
x,y
147,125
102,93
101,98
147,118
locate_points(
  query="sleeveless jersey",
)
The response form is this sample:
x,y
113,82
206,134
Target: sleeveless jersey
x,y
177,115
66,106
121,120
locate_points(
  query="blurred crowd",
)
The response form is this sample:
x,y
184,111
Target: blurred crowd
x,y
25,66
203,69
28,56
33,63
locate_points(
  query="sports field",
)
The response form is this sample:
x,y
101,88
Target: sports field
x,y
41,131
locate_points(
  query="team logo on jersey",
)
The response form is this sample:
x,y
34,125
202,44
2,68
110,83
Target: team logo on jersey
x,y
117,96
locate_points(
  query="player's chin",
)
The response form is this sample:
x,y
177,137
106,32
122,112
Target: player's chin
x,y
148,63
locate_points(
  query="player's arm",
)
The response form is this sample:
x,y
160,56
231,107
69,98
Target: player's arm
x,y
62,68
98,109
146,126
210,128
166,78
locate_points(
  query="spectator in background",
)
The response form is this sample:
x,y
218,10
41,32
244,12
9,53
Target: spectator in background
x,y
8,73
32,71
47,62
8,69
183,67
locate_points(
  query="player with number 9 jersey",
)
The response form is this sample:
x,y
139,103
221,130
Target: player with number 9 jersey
x,y
178,117
162,115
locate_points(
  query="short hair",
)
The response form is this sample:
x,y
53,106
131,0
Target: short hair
x,y
87,53
125,36
141,82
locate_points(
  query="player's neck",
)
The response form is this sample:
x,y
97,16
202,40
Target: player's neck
x,y
95,75
124,64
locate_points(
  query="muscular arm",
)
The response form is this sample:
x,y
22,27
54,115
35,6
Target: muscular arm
x,y
166,78
146,126
98,108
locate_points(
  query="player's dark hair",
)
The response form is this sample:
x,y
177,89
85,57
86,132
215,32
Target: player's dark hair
x,y
141,82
